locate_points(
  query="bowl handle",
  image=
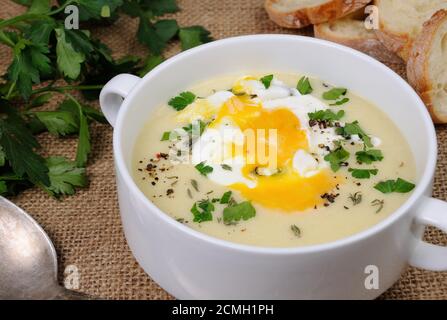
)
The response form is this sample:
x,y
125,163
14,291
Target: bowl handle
x,y
113,94
426,255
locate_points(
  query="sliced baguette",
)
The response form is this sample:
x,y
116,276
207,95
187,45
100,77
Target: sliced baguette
x,y
400,22
301,13
427,66
352,32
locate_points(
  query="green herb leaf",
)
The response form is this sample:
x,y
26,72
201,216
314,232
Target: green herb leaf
x,y
226,197
161,7
165,136
334,93
363,173
379,204
369,156
64,176
29,63
326,115
399,186
194,36
304,87
226,167
58,123
204,169
243,210
354,128
402,186
340,102
19,144
267,80
336,158
296,231
356,198
203,211
150,63
68,59
181,101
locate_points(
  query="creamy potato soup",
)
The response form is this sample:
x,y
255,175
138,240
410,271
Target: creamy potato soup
x,y
273,160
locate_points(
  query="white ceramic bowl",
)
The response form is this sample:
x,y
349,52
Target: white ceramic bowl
x,y
192,265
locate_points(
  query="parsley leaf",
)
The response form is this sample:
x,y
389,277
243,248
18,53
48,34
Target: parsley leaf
x,y
226,197
181,101
29,63
267,80
340,102
243,210
226,167
203,211
354,128
204,169
150,63
68,59
161,7
304,87
156,36
326,115
334,93
369,156
363,173
18,144
165,136
64,176
399,186
58,123
194,36
336,158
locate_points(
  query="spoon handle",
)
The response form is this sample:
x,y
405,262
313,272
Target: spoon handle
x,y
65,294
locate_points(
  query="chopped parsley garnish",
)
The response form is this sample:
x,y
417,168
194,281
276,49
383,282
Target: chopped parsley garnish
x,y
356,198
226,167
165,136
399,186
354,128
363,173
202,211
204,169
243,210
340,102
326,115
369,156
334,93
304,87
267,80
181,101
226,197
296,231
379,204
195,185
336,158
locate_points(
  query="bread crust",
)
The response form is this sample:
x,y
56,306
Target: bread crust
x,y
418,69
370,45
303,17
399,43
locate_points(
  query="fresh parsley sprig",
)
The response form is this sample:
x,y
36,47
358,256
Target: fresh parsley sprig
x,y
45,53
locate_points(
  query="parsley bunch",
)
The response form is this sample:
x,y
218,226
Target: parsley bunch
x,y
46,54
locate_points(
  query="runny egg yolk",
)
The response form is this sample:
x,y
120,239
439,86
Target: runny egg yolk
x,y
285,189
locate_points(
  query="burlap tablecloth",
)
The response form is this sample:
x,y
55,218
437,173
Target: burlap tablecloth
x,y
86,228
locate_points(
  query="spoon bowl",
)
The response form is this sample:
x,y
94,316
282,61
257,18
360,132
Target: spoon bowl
x,y
28,260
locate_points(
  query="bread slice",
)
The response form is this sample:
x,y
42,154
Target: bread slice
x,y
400,22
301,13
427,66
351,31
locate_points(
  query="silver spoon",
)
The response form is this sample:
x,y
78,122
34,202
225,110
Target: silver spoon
x,y
28,260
